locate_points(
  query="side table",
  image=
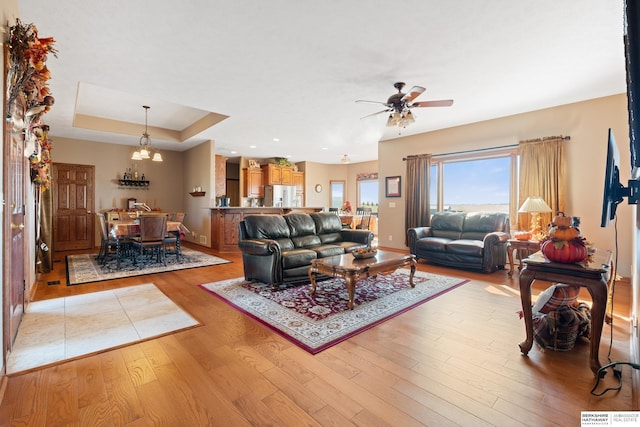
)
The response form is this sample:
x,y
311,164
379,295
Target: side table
x,y
524,248
592,276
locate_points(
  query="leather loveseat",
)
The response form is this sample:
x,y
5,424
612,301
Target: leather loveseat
x,y
473,240
279,248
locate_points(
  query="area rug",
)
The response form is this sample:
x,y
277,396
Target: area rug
x,y
318,322
66,328
85,269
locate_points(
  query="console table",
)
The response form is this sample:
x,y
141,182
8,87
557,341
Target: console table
x,y
593,276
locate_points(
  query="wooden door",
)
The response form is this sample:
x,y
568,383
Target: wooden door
x,y
73,219
15,182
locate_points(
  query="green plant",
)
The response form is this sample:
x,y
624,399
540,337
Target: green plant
x,y
282,161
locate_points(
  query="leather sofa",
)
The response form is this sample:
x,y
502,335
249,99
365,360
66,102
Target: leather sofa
x,y
472,240
278,249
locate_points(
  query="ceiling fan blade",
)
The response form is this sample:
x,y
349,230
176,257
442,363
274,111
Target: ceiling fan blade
x,y
373,102
413,93
375,114
441,103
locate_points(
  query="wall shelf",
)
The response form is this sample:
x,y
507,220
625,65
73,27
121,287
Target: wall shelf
x,y
198,193
133,182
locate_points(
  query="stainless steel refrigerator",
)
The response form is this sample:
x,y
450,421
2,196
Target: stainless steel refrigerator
x,y
281,196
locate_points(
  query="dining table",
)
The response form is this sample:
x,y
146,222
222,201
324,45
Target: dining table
x,y
125,228
131,228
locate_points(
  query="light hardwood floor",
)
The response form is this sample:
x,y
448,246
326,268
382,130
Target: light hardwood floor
x,y
452,361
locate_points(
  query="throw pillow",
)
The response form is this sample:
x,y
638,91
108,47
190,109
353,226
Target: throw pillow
x,y
556,296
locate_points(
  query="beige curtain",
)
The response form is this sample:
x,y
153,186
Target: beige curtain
x,y
542,173
417,210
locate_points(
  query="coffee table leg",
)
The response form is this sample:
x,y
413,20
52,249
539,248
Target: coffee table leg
x,y
351,289
312,279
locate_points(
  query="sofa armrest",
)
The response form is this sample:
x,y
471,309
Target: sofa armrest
x,y
264,247
495,238
364,237
495,251
415,234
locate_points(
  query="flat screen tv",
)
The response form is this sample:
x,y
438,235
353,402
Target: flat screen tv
x,y
613,189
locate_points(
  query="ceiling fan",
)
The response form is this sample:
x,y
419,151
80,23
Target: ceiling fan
x,y
399,105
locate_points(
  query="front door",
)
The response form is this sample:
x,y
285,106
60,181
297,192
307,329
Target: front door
x,y
73,219
15,182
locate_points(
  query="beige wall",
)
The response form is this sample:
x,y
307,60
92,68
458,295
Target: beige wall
x,y
318,173
166,190
585,122
199,171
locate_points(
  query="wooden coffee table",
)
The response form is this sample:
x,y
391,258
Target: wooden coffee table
x,y
351,269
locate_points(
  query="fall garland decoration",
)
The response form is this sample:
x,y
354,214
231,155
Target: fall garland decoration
x,y
28,76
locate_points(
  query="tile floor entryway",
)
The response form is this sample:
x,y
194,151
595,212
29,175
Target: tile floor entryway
x,y
64,328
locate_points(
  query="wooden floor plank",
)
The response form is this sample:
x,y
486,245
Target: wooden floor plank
x,y
453,360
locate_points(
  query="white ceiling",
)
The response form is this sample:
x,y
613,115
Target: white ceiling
x,y
292,69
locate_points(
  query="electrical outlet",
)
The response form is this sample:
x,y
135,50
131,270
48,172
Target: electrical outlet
x,y
392,204
390,237
203,240
194,234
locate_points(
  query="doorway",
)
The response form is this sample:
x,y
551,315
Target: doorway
x,y
73,200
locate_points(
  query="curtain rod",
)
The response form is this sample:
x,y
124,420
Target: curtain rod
x,y
478,150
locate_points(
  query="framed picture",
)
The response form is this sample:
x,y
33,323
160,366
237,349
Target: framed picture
x,y
254,164
392,186
131,204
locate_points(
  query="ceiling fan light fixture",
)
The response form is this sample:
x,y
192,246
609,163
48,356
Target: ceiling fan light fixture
x,y
345,159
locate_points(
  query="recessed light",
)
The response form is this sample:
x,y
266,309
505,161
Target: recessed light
x,y
252,146
324,148
234,152
276,139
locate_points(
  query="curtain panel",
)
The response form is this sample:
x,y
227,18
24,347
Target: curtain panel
x,y
542,173
417,205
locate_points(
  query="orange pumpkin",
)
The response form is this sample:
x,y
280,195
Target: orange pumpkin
x,y
563,233
564,252
561,221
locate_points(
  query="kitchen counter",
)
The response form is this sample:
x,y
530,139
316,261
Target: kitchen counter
x,y
225,221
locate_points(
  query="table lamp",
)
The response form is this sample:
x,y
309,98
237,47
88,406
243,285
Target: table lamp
x,y
535,205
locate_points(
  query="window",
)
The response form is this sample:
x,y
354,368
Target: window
x,y
337,193
475,182
368,194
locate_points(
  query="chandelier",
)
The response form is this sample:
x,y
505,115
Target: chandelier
x,y
145,144
345,159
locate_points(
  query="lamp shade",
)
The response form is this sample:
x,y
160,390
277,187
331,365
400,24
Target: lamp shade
x,y
534,204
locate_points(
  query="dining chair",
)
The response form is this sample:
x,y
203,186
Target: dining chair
x,y
153,229
173,236
365,218
108,242
127,216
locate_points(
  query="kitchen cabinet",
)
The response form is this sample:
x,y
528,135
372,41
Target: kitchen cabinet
x,y
298,181
253,183
275,175
287,175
